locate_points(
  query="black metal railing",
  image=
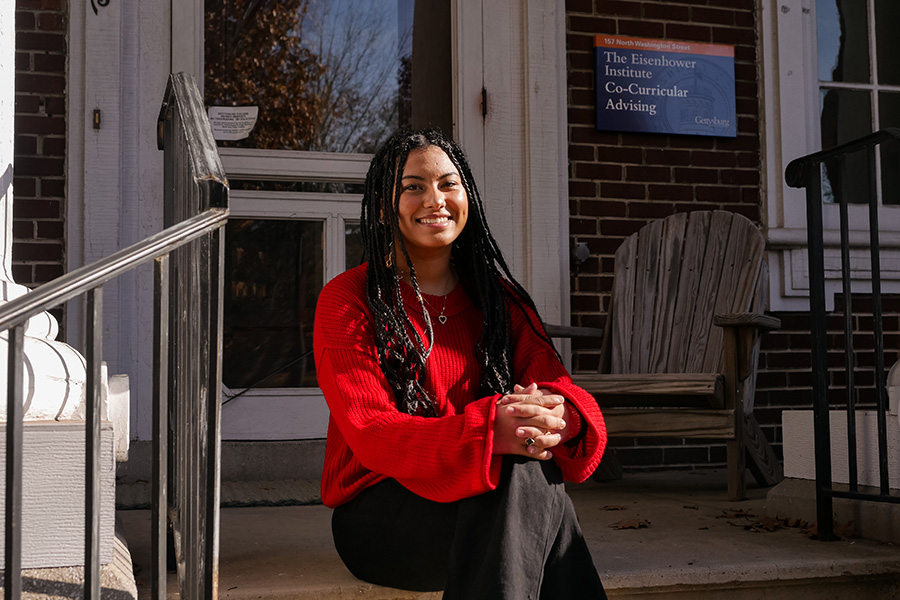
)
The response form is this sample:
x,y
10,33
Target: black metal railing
x,y
838,166
188,265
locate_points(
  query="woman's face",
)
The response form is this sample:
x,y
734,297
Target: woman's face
x,y
433,206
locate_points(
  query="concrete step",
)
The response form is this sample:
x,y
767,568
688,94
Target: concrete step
x,y
689,544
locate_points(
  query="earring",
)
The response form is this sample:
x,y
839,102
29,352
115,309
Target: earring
x,y
389,259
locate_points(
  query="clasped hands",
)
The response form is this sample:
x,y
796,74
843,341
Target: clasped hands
x,y
533,414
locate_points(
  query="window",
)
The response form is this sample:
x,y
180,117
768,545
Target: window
x,y
829,75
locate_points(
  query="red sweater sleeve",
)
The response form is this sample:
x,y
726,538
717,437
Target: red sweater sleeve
x,y
443,459
536,362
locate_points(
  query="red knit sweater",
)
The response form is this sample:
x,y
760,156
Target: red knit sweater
x,y
445,458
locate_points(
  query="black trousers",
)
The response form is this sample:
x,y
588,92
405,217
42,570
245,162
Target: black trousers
x,y
520,541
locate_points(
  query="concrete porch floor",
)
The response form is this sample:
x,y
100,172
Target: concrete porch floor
x,y
680,539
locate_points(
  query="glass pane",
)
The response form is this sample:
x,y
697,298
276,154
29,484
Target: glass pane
x,y
273,276
329,75
845,115
353,244
889,116
887,23
843,40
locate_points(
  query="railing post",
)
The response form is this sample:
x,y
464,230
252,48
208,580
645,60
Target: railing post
x,y
158,538
12,573
92,445
821,419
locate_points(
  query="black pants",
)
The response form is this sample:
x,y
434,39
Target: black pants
x,y
521,541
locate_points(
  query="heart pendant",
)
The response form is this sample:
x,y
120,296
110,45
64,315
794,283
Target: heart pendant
x,y
442,319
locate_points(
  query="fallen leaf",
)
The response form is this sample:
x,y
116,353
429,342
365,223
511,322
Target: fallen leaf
x,y
613,507
736,514
631,524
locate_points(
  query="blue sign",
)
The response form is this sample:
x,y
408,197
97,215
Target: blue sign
x,y
663,86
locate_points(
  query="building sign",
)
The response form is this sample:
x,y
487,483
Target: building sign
x,y
663,86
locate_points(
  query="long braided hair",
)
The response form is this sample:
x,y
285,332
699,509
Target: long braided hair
x,y
482,271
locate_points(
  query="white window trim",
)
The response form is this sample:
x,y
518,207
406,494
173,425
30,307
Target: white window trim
x,y
790,102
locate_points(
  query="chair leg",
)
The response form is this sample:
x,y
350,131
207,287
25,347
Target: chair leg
x,y
761,459
737,489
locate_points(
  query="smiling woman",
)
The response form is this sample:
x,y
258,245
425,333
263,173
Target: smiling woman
x,y
453,422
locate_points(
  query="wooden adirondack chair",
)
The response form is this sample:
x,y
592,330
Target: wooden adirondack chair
x,y
682,338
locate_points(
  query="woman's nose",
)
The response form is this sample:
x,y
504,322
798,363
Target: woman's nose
x,y
435,198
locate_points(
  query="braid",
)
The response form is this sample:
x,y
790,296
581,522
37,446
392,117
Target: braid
x,y
483,272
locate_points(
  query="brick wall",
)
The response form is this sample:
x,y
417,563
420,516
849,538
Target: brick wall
x,y
40,143
619,181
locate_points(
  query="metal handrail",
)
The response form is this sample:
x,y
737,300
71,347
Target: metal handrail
x,y
806,172
83,279
186,364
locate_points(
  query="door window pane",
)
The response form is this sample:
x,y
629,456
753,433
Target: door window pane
x,y
889,116
887,41
273,276
329,75
353,244
845,116
843,40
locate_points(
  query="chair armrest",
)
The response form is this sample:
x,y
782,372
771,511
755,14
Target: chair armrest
x,y
748,319
568,331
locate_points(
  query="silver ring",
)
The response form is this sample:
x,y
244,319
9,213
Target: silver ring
x,y
529,442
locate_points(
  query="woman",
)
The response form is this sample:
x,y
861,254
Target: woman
x,y
453,422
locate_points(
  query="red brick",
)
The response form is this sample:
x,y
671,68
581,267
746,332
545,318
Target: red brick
x,y
618,8
55,63
651,29
51,22
584,6
23,186
53,146
37,251
24,20
622,190
649,174
592,25
53,188
581,152
718,193
26,104
23,229
25,144
582,226
733,35
691,33
738,177
50,84
50,230
46,42
582,188
45,273
667,12
38,166
23,273
581,98
601,208
37,209
704,158
604,171
712,15
681,193
656,156
620,155
695,175
650,210
23,61
40,124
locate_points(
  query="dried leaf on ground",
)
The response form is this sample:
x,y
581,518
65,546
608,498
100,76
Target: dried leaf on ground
x,y
631,524
736,514
613,507
765,525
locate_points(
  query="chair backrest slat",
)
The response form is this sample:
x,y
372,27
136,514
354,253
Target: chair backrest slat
x,y
671,278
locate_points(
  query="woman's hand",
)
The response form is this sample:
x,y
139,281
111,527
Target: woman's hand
x,y
529,414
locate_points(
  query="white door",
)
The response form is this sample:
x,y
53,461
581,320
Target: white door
x,y
328,80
